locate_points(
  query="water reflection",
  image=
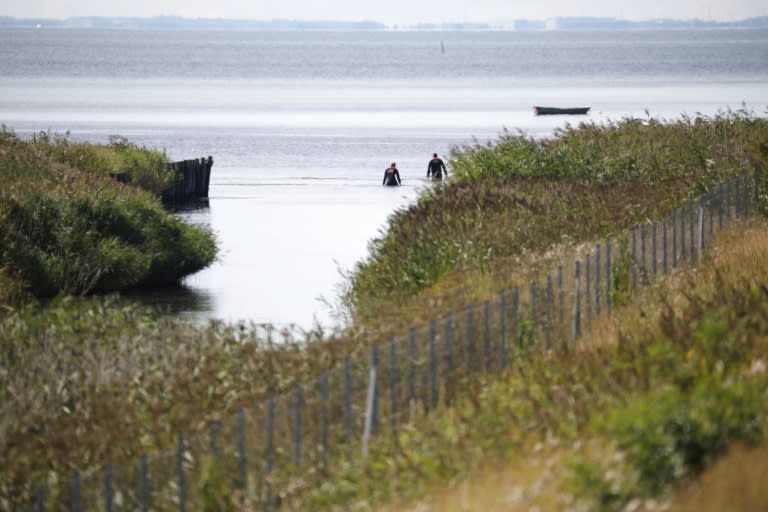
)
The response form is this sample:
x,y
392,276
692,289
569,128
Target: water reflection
x,y
179,299
175,300
193,204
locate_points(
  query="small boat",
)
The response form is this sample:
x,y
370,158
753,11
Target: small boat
x,y
553,111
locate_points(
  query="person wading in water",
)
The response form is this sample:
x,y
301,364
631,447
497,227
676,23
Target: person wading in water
x,y
391,176
436,168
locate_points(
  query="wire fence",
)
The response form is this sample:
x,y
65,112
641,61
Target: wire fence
x,y
273,450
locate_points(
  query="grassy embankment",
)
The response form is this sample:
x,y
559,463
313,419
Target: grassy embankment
x,y
517,205
513,209
654,395
67,227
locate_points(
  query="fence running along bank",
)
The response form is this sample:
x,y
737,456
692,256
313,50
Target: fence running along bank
x,y
305,433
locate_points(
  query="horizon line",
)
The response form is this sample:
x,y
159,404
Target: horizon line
x,y
417,23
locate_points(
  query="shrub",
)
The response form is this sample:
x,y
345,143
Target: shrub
x,y
73,231
671,432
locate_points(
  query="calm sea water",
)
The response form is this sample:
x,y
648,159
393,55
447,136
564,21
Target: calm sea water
x,y
302,124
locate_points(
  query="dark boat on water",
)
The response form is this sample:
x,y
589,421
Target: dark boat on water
x,y
553,111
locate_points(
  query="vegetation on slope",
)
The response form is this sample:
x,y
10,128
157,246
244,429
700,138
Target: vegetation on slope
x,y
512,201
651,398
88,359
68,227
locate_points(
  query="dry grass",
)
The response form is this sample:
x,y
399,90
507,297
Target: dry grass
x,y
59,414
537,476
536,482
738,482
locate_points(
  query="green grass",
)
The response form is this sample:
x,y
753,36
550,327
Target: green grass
x,y
137,165
518,196
500,221
650,400
76,230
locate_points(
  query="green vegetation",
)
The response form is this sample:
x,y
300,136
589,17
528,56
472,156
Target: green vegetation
x,y
657,392
84,381
68,227
512,202
650,399
139,166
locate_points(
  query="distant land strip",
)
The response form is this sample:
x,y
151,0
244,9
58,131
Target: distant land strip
x,y
179,23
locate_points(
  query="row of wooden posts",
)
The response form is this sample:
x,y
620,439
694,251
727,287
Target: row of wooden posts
x,y
194,178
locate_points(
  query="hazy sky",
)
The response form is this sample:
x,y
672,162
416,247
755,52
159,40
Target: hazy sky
x,y
392,11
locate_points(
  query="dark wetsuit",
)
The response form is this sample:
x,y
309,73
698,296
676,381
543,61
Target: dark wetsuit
x,y
436,168
391,177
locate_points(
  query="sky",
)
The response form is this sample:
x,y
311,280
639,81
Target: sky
x,y
391,11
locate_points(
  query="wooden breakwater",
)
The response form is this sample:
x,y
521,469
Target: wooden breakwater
x,y
193,179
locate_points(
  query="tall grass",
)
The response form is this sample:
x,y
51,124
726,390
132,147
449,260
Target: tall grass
x,y
734,482
655,396
76,230
89,380
140,166
519,196
105,381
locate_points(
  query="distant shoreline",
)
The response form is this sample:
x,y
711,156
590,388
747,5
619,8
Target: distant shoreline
x,y
522,25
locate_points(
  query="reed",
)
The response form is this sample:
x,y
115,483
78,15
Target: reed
x,y
515,199
76,230
641,408
140,166
104,380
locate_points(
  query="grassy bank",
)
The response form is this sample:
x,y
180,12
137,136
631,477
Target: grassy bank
x,y
106,381
641,407
516,203
660,390
68,227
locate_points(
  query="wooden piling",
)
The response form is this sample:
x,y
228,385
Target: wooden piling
x,y
193,179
